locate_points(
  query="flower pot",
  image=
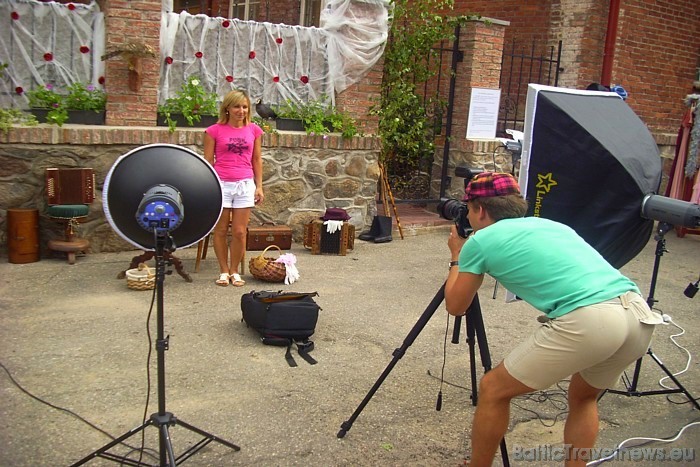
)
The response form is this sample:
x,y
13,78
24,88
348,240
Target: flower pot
x,y
289,124
82,117
181,121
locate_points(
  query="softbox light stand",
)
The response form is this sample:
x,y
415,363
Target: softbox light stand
x,y
631,384
476,334
162,419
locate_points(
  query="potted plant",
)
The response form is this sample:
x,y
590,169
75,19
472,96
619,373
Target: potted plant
x,y
315,117
188,107
83,103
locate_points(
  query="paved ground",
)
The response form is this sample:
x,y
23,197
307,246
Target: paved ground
x,y
75,336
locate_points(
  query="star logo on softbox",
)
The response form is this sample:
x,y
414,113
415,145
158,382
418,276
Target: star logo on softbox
x,y
545,181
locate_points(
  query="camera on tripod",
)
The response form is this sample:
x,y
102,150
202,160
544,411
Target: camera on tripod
x,y
455,210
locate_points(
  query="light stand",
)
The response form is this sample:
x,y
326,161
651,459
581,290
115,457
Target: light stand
x,y
162,419
631,385
475,328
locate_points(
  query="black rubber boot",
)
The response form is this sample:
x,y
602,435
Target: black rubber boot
x,y
384,234
370,234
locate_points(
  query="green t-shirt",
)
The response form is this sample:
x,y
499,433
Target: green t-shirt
x,y
545,263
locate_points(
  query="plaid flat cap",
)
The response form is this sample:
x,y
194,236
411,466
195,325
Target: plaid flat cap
x,y
488,184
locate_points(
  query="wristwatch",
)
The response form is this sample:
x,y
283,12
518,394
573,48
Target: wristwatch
x,y
454,263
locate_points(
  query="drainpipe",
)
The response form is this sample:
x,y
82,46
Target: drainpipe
x,y
610,38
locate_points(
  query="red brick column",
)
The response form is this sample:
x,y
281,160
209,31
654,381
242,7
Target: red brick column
x,y
358,98
132,94
481,68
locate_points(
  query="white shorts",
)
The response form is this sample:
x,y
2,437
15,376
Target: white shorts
x,y
240,194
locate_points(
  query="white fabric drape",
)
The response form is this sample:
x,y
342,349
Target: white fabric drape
x,y
48,43
60,44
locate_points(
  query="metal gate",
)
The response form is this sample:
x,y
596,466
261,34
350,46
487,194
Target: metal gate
x,y
411,183
518,69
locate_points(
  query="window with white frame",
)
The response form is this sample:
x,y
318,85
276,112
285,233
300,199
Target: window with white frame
x,y
310,12
244,9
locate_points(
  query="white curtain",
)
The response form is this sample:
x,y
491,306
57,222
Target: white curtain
x,y
59,44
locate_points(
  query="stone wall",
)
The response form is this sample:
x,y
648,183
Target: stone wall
x,y
303,175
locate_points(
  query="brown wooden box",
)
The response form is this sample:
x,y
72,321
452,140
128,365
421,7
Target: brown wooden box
x,y
262,236
319,241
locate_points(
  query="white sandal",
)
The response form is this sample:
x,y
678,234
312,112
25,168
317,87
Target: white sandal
x,y
223,279
236,280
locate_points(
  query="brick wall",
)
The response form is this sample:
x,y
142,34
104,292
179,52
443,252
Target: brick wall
x,y
655,57
132,22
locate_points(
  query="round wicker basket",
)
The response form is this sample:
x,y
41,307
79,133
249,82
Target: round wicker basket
x,y
266,269
141,278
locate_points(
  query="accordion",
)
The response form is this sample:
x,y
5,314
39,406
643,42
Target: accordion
x,y
319,241
70,186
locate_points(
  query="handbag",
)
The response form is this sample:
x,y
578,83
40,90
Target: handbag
x,y
283,319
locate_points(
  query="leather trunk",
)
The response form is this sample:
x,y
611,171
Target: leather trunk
x,y
261,236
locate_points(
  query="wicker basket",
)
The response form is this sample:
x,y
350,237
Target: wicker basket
x,y
142,278
266,269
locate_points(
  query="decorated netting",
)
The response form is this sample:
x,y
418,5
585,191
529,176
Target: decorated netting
x,y
45,43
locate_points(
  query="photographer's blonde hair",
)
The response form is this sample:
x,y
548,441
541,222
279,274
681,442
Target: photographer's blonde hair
x,y
234,97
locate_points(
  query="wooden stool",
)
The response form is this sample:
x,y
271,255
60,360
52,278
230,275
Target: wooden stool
x,y
70,215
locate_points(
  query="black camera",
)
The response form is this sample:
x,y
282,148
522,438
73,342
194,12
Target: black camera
x,y
455,210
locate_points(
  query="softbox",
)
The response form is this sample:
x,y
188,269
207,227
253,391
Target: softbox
x,y
190,176
588,161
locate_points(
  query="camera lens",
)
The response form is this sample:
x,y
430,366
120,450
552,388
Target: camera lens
x,y
450,209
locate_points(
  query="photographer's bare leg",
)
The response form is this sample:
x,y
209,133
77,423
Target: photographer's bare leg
x,y
581,428
492,415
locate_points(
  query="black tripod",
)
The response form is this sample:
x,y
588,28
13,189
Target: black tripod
x,y
475,334
161,420
631,385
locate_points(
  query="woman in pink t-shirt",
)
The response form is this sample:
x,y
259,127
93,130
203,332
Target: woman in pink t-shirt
x,y
233,147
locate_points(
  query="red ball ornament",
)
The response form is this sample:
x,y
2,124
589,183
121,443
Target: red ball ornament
x,y
19,90
304,79
251,55
48,56
199,54
278,40
101,80
84,49
71,7
229,78
169,60
14,15
226,23
276,79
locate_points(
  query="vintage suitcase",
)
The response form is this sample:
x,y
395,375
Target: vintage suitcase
x,y
319,241
261,236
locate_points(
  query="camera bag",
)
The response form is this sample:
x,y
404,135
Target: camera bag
x,y
283,319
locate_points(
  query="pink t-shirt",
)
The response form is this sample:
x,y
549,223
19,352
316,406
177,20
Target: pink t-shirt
x,y
233,150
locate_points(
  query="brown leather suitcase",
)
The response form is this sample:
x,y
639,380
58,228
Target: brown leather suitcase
x,y
261,236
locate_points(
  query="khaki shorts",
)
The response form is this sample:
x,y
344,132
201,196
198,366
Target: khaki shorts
x,y
598,341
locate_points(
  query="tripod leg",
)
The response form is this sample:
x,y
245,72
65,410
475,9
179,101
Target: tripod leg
x,y
475,328
398,354
102,452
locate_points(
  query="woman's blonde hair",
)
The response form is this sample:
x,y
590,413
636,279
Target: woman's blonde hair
x,y
235,97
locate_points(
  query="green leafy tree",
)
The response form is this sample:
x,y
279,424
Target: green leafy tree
x,y
407,117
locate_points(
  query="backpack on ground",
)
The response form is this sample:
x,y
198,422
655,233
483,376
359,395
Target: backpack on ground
x,y
283,319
